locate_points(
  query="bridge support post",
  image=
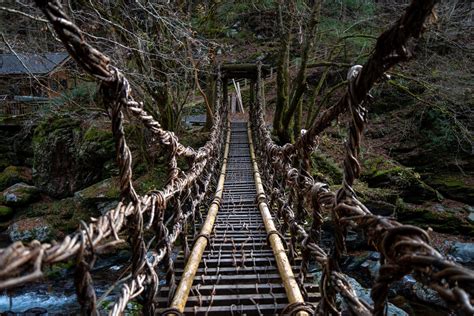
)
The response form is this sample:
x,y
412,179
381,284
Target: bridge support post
x,y
200,244
292,289
225,93
252,92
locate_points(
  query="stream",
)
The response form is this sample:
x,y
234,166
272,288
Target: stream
x,y
55,293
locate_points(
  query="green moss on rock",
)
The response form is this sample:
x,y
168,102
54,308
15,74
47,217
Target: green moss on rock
x,y
63,216
380,201
325,169
19,194
97,142
384,173
443,222
106,190
153,180
70,153
455,186
5,212
12,175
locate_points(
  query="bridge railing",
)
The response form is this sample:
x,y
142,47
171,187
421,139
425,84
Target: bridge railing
x,y
135,214
404,249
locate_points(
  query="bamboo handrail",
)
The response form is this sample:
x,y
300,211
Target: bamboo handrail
x,y
292,289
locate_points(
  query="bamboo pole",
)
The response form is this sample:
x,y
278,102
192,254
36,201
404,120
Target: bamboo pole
x,y
284,267
182,292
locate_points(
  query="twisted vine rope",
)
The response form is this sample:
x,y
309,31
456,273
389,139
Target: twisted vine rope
x,y
405,249
21,263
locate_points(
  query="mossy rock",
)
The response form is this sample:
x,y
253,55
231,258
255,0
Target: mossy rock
x,y
70,153
325,169
380,201
20,194
455,186
153,180
28,229
12,174
383,173
5,212
63,216
97,142
442,222
106,190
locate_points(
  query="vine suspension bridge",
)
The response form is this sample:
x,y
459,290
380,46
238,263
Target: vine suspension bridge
x,y
249,252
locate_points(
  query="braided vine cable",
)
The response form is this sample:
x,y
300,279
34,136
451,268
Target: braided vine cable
x,y
21,263
405,249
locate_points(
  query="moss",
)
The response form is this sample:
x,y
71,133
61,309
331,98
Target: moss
x,y
5,212
194,138
455,186
70,153
326,169
382,172
53,124
153,180
106,190
101,136
20,194
59,269
12,175
64,215
380,201
443,222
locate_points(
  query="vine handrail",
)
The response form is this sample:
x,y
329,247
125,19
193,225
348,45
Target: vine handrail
x,y
405,249
21,263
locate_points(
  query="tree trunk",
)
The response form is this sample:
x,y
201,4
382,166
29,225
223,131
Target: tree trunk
x,y
299,86
282,68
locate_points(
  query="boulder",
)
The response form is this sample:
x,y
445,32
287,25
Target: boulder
x,y
428,295
365,265
103,191
12,174
463,253
455,186
28,229
383,173
69,156
363,294
442,219
20,194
